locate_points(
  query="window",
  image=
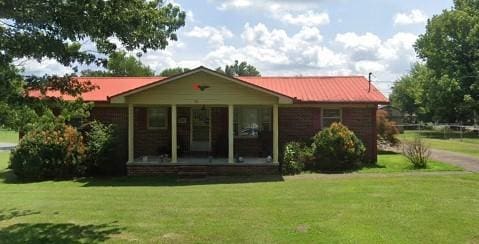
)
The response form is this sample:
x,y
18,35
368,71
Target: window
x,y
330,116
157,118
250,121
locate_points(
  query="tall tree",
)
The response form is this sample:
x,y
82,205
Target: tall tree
x,y
173,71
408,92
121,64
239,69
58,30
450,48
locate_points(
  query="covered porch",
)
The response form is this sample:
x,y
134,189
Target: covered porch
x,y
203,134
202,120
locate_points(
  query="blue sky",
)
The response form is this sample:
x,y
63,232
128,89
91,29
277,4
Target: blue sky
x,y
303,37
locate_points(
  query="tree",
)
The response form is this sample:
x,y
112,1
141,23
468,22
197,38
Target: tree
x,y
408,92
449,48
429,97
59,30
173,71
239,69
121,64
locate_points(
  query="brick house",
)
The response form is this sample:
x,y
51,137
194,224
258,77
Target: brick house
x,y
229,125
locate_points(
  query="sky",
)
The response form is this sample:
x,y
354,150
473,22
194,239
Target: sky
x,y
302,37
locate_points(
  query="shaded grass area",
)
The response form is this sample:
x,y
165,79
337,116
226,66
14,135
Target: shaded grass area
x,y
393,162
354,208
8,136
451,142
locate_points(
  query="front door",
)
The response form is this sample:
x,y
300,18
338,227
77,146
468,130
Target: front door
x,y
200,129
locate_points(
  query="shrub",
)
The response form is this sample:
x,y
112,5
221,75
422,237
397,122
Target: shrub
x,y
337,148
386,129
49,152
296,155
100,142
417,152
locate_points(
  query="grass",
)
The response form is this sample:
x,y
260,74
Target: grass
x,y
391,162
8,136
362,208
468,145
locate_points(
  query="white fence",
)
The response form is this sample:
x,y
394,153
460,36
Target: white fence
x,y
444,131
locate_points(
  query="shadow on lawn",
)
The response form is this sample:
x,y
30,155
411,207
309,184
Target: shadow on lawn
x,y
14,213
52,232
174,181
57,233
8,177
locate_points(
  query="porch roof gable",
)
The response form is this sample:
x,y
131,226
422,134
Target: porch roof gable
x,y
282,97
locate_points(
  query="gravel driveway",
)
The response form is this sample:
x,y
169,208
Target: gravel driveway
x,y
468,163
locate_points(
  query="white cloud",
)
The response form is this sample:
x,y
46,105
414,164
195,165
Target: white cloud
x,y
310,18
274,49
366,66
234,4
414,16
46,66
297,5
301,13
398,46
215,36
366,42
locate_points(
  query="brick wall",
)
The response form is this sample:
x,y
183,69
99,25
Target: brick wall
x,y
363,122
219,131
148,141
210,170
183,130
297,124
294,124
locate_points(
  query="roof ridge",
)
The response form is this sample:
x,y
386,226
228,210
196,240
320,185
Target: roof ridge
x,y
122,77
300,77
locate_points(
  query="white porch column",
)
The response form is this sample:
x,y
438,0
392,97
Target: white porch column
x,y
174,144
131,131
275,134
230,134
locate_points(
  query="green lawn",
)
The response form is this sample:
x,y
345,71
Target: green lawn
x,y
388,163
312,208
8,136
468,145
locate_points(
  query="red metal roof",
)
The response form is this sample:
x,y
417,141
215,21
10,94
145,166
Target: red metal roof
x,y
304,89
314,89
107,87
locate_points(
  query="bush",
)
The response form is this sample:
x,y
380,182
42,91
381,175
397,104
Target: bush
x,y
100,142
386,129
55,151
417,152
337,148
296,155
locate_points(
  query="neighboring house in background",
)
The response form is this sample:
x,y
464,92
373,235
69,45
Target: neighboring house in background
x,y
394,114
226,124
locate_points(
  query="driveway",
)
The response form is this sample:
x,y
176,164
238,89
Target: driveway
x,y
6,146
468,163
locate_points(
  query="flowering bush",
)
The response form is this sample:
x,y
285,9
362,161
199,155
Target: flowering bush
x,y
296,156
337,148
50,152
